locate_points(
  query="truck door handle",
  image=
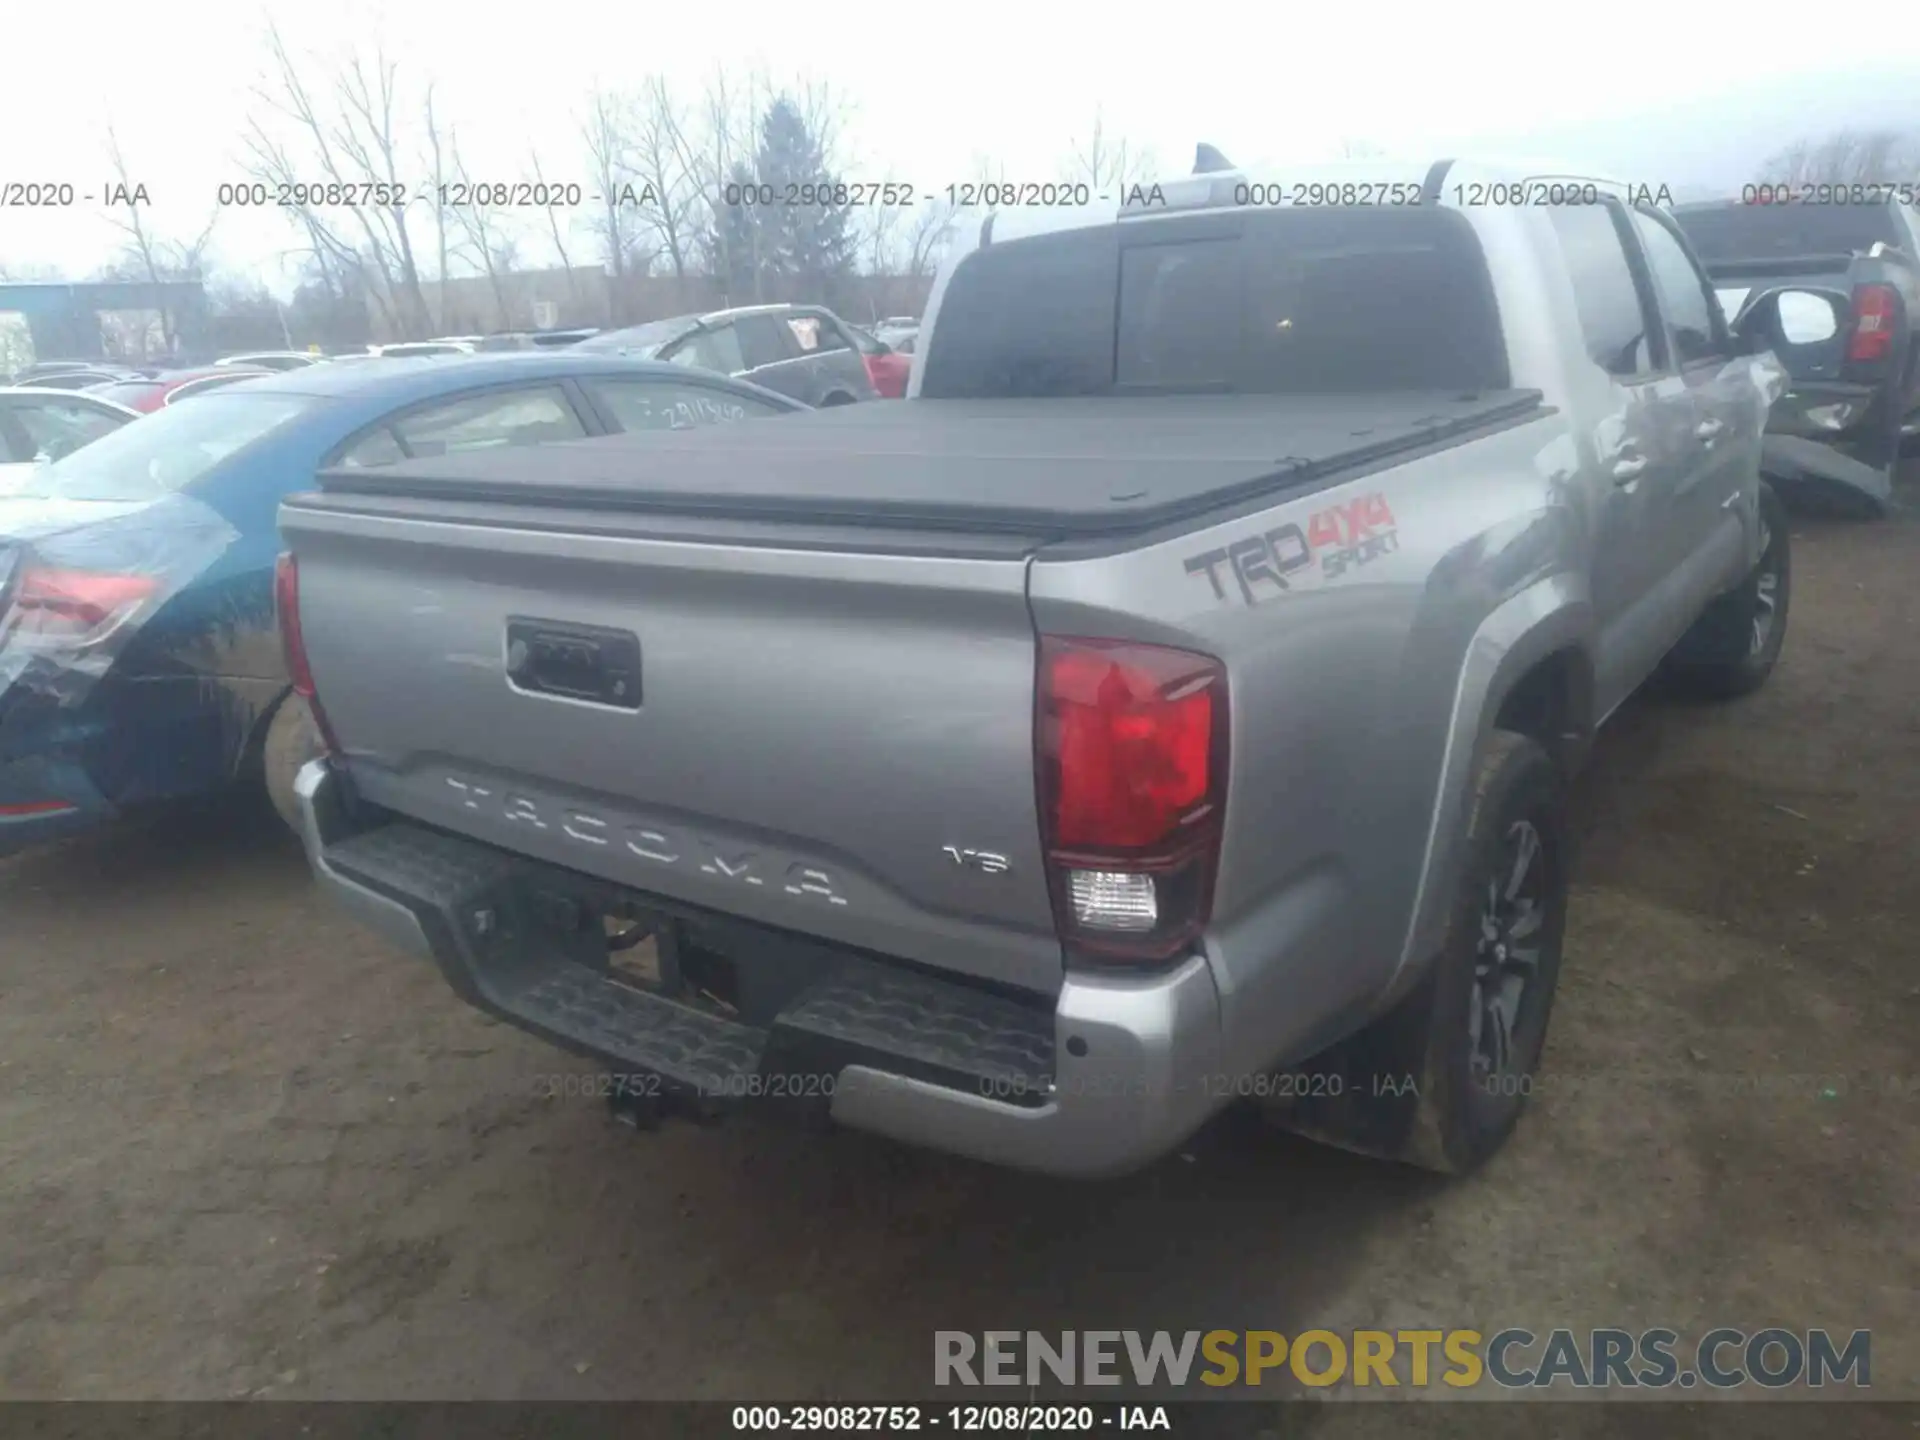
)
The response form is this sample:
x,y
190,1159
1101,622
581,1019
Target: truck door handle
x,y
1629,468
1710,430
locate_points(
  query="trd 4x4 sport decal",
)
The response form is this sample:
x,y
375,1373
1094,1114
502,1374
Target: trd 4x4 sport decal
x,y
1341,538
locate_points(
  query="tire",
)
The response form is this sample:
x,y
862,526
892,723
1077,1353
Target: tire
x,y
291,741
1734,645
1429,1083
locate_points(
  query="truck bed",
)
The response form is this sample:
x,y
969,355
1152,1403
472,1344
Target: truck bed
x,y
1062,468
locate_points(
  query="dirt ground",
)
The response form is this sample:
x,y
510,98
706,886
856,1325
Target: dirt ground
x,y
246,1150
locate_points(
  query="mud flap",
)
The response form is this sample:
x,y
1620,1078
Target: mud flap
x,y
1374,1092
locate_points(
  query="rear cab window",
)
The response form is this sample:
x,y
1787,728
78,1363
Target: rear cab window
x,y
1285,301
1785,232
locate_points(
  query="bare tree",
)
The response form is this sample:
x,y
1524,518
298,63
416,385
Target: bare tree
x,y
1351,149
668,192
1106,162
353,141
987,170
932,224
554,228
1844,157
483,244
438,201
155,260
708,145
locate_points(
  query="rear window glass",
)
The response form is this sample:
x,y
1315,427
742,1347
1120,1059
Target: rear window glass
x,y
168,450
1768,232
1289,301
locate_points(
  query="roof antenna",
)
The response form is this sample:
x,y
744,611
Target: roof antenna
x,y
1207,160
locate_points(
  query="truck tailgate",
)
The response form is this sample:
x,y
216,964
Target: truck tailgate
x,y
792,735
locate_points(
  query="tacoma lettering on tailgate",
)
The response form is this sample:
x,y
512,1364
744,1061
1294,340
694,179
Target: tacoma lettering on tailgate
x,y
1341,537
721,859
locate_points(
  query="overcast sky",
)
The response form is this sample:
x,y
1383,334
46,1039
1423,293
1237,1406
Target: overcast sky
x,y
1660,93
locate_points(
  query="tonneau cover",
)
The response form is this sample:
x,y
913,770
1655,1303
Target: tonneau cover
x,y
1069,466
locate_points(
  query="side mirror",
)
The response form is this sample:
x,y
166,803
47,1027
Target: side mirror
x,y
1792,316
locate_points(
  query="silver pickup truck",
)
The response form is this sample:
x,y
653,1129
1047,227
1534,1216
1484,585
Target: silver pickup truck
x,y
1171,701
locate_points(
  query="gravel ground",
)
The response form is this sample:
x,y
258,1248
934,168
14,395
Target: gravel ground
x,y
247,1150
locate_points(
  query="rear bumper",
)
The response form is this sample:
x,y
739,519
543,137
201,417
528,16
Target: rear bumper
x,y
1114,1074
47,797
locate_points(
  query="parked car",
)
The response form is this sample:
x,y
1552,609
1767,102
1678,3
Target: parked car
x,y
137,652
1854,354
885,368
896,330
553,339
418,349
88,378
800,350
272,359
48,367
147,394
39,426
1178,689
531,340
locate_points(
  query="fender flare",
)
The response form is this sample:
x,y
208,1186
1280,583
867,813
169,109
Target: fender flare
x,y
1550,616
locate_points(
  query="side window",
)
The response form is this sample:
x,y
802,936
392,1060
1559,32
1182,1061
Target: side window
x,y
379,448
816,335
1684,294
765,340
491,421
59,427
664,405
715,350
1612,321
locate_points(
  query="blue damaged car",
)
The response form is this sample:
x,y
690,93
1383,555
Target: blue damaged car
x,y
139,659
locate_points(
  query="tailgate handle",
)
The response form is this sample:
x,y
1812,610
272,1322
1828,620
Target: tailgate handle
x,y
574,662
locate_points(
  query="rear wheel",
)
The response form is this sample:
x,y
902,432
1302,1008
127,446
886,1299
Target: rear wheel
x,y
1734,645
1440,1080
292,740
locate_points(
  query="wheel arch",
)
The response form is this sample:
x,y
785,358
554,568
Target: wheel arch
x,y
1528,667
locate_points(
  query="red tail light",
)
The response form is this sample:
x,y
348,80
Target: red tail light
x,y
1876,311
293,645
76,606
1132,750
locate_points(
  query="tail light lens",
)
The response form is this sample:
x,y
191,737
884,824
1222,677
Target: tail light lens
x,y
1876,311
75,607
1131,743
293,645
